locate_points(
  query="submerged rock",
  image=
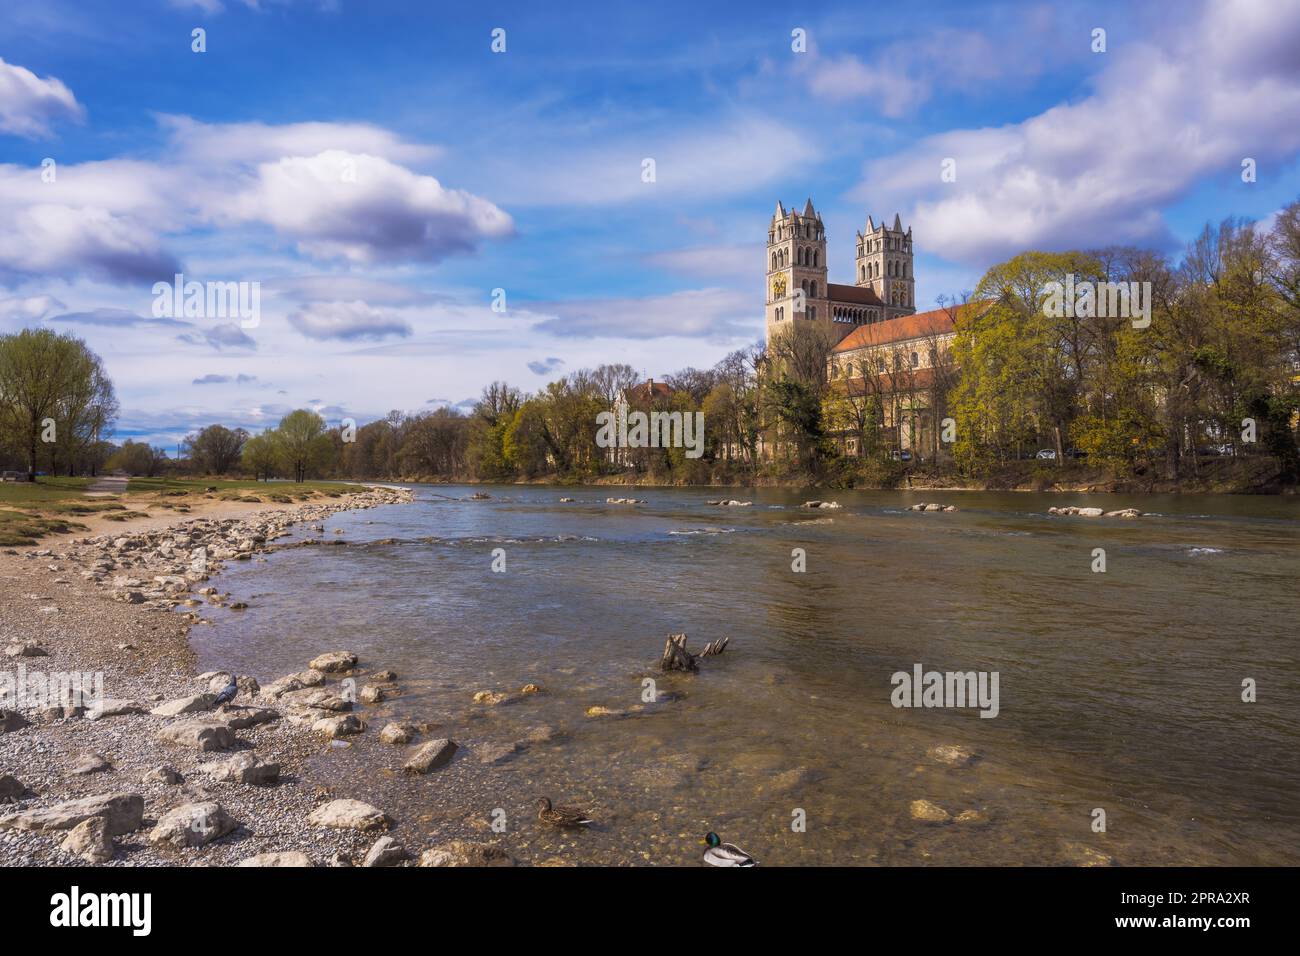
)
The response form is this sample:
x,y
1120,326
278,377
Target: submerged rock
x,y
464,853
927,812
332,662
430,756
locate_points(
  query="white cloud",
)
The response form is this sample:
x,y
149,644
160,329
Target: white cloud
x,y
347,321
1097,171
29,104
32,308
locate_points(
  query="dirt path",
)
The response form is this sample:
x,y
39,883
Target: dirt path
x,y
102,487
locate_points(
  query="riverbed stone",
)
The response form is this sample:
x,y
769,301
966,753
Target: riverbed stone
x,y
90,840
926,812
385,852
465,853
348,814
344,725
193,825
122,813
430,756
333,662
395,733
952,755
185,705
201,735
243,768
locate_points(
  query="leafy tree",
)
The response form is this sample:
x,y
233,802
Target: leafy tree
x,y
215,450
302,443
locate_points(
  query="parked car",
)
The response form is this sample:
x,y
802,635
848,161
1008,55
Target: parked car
x,y
12,476
900,455
1047,454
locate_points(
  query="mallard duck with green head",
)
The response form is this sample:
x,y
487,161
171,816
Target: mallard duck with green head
x,y
561,816
725,854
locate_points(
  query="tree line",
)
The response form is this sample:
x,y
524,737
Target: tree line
x,y
1214,373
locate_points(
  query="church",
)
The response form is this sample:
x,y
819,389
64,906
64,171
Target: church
x,y
884,349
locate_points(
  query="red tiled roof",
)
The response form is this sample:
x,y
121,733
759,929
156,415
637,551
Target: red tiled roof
x,y
934,322
854,294
647,390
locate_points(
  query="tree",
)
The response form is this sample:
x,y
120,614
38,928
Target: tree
x,y
53,391
137,458
261,455
216,449
302,443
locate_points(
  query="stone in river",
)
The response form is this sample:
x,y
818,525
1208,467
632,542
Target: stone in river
x,y
430,756
490,697
464,853
371,694
927,812
344,725
333,662
496,753
348,814
972,817
243,768
952,755
1079,854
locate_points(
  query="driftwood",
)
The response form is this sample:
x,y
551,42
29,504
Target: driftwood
x,y
678,658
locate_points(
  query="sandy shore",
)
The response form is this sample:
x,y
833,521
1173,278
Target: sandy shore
x,y
166,776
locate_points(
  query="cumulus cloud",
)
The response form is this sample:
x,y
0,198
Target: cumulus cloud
x,y
1223,87
29,104
347,321
31,308
545,366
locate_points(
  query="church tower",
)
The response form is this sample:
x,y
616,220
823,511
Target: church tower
x,y
885,266
796,269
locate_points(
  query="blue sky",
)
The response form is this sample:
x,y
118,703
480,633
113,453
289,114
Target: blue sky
x,y
473,171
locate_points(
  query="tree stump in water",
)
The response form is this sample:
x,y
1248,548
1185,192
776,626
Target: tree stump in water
x,y
678,658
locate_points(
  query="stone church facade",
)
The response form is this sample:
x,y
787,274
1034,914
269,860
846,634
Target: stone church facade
x,y
799,292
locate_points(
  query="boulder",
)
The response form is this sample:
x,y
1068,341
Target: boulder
x,y
290,858
243,768
200,735
372,694
332,662
193,824
91,841
100,709
241,718
430,756
465,853
348,814
1090,512
386,852
122,813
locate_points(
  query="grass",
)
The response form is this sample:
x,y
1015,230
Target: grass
x,y
30,510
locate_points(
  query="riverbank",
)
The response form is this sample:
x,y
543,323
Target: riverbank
x,y
153,771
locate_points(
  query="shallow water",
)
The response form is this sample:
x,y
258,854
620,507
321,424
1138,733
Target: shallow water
x,y
1119,690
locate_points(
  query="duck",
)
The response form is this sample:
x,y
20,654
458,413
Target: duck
x,y
561,816
725,854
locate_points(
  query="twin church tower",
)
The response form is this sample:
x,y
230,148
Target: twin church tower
x,y
797,290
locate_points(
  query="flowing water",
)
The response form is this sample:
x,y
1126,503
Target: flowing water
x,y
1119,690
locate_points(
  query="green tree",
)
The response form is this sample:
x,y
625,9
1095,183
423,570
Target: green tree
x,y
303,445
261,455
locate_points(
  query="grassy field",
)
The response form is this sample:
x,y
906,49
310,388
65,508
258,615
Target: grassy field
x,y
28,510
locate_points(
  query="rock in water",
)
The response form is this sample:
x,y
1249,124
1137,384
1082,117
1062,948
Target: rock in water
x,y
332,662
91,841
243,768
927,812
397,733
463,853
430,756
348,814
